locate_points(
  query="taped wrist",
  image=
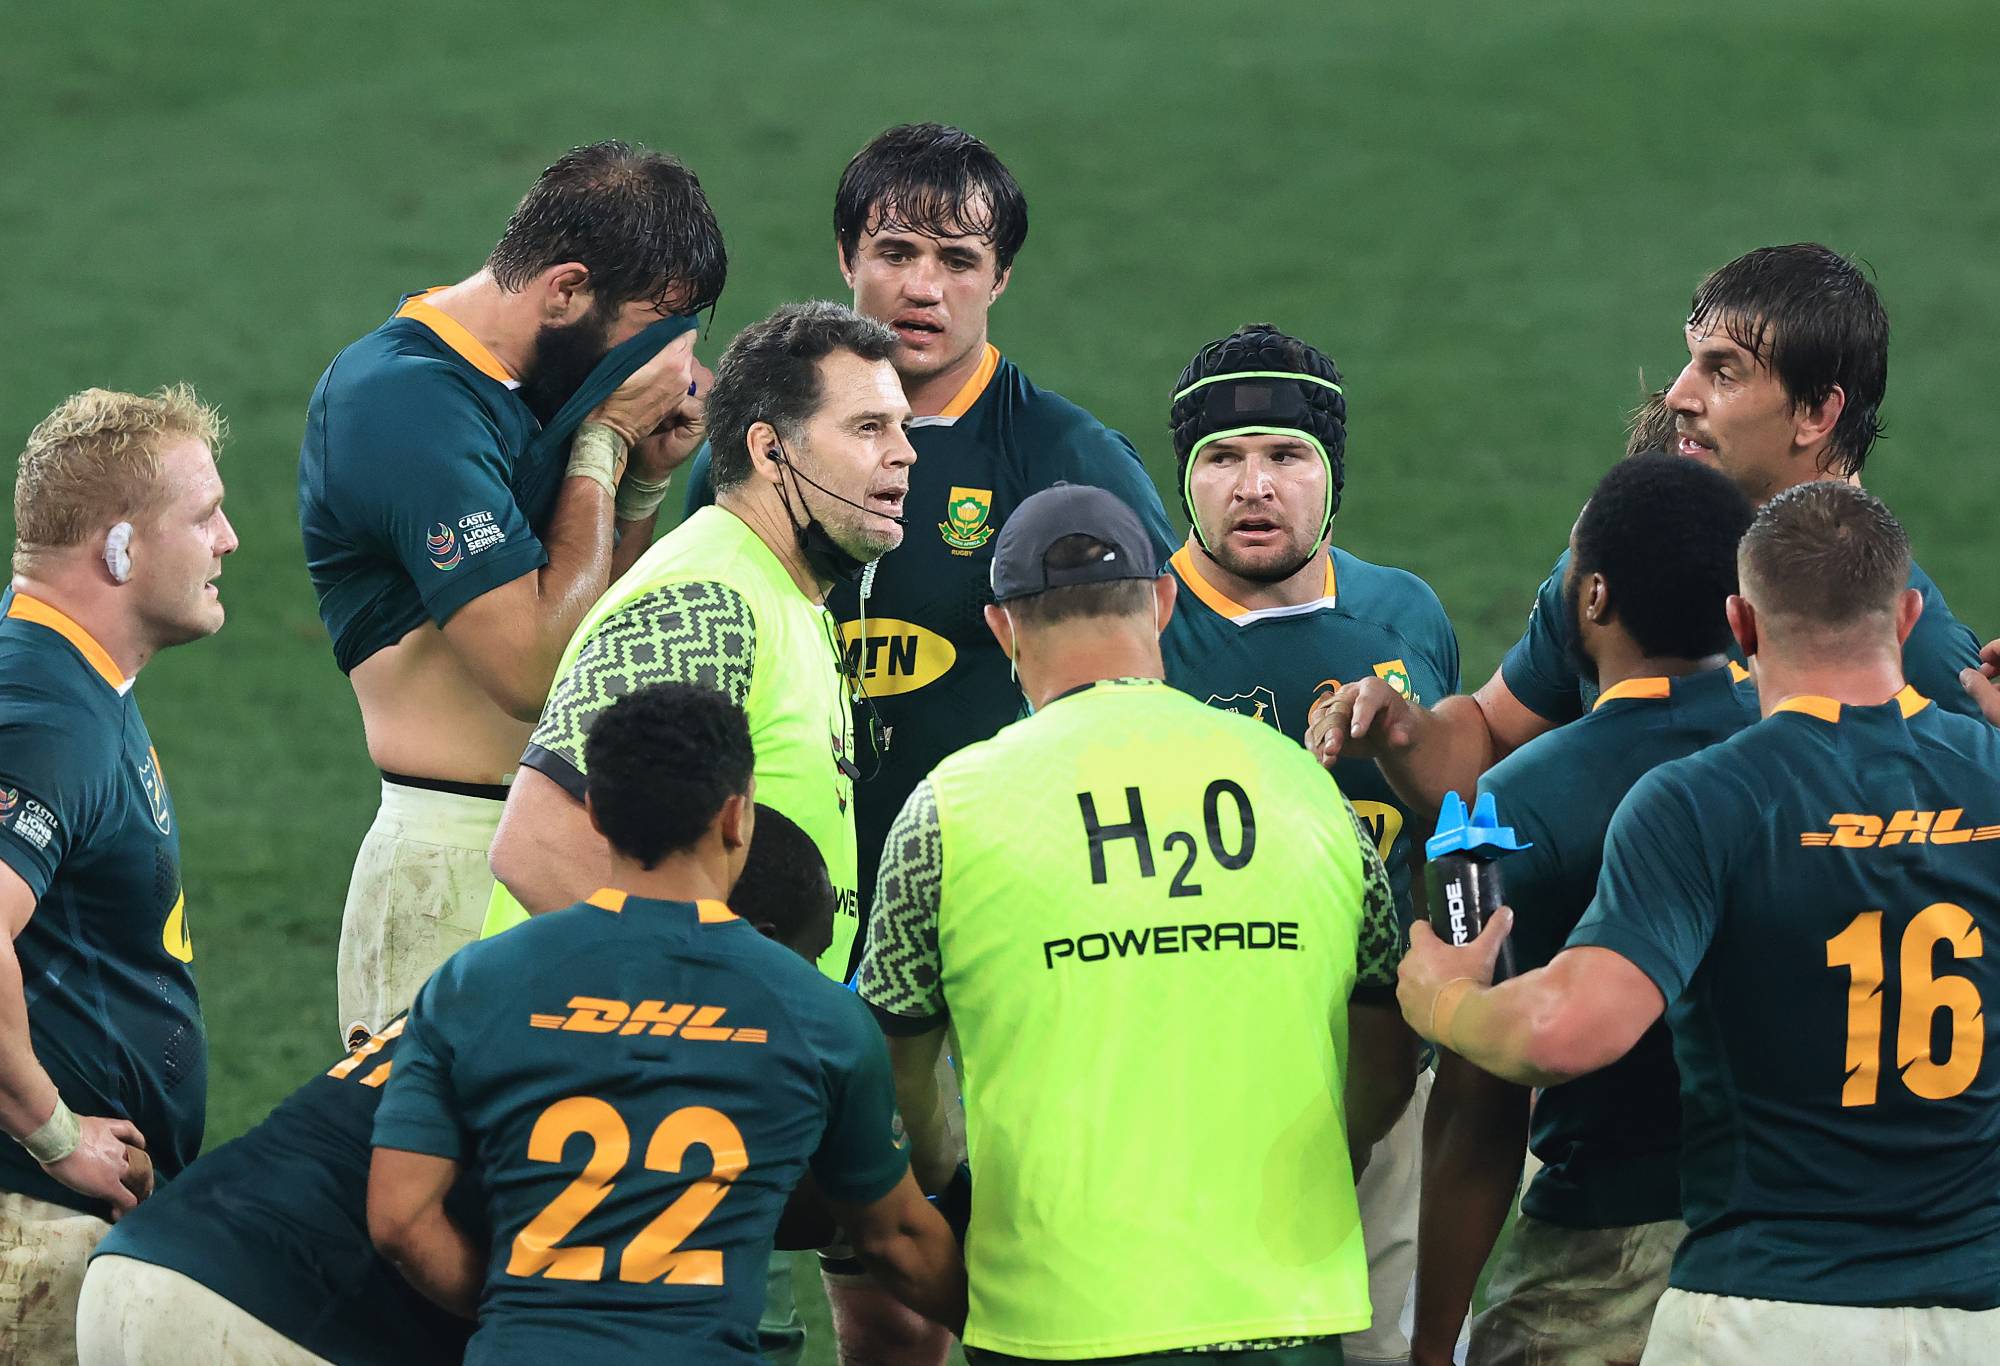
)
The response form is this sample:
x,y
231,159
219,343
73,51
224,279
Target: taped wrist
x,y
56,1139
597,453
1444,1009
640,498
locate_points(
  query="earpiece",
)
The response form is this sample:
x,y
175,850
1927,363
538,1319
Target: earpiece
x,y
117,552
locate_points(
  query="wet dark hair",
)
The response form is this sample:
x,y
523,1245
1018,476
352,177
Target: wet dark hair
x,y
770,373
636,219
1811,317
1663,532
933,180
784,882
1260,346
1650,426
660,763
1828,553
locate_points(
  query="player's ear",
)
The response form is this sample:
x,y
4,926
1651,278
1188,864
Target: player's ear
x,y
1002,627
841,260
1909,606
565,292
590,810
1165,590
1597,600
734,822
1813,424
1742,624
762,441
1000,284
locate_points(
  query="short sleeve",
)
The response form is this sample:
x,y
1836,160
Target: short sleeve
x,y
40,802
863,1154
417,1114
1941,647
699,633
1530,878
419,468
1658,896
1381,938
701,482
901,974
1097,455
1538,670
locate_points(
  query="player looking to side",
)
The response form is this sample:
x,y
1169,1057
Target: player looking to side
x,y
1808,901
1651,566
1078,934
1272,614
119,536
1788,360
474,472
704,1067
262,1246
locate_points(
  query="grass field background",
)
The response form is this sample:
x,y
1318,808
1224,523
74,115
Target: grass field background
x,y
1492,216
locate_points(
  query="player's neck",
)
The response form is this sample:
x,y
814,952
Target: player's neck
x,y
1076,654
1865,679
1617,662
91,607
1307,584
930,396
500,320
699,874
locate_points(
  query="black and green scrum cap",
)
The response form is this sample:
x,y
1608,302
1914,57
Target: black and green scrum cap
x,y
1258,403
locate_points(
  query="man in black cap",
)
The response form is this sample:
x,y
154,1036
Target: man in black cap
x,y
1121,945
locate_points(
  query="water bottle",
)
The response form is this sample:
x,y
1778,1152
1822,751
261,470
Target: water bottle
x,y
1464,883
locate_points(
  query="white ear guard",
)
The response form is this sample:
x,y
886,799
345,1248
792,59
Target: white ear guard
x,y
118,552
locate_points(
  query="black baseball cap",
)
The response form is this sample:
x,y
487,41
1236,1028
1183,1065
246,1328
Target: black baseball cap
x,y
1063,510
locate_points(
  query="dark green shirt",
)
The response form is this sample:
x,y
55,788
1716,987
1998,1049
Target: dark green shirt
x,y
88,824
914,628
638,1085
276,1222
1541,670
1272,664
1814,898
1609,1142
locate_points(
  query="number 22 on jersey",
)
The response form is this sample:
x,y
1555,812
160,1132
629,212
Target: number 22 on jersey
x,y
655,1254
1859,949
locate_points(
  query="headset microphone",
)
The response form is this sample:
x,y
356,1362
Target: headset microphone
x,y
778,454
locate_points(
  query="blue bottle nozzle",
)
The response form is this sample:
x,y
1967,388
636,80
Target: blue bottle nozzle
x,y
1481,836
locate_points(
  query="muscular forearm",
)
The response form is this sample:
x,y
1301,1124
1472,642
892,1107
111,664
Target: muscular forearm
x,y
27,1096
545,852
1475,1133
1450,746
436,1257
909,1249
933,1156
633,539
580,547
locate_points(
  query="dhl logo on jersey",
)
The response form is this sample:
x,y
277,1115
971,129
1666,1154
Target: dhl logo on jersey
x,y
597,1015
1851,831
895,656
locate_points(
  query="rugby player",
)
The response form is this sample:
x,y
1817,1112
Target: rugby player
x,y
1808,903
808,446
474,472
704,1067
119,535
1788,353
262,1245
1164,964
1652,564
1272,614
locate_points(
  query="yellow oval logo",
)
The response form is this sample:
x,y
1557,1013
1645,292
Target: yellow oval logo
x,y
896,656
174,936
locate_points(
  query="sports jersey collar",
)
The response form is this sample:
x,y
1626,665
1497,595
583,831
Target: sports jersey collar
x,y
968,393
1909,701
1654,689
453,334
613,900
25,608
1223,605
1095,683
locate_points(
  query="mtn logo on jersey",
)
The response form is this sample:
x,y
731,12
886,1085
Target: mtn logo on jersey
x,y
1259,704
442,544
156,791
1397,675
174,936
896,657
964,528
1852,831
597,1015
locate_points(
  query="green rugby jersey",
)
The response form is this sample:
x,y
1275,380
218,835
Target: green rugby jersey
x,y
1541,670
1812,897
919,641
1609,1142
106,961
424,480
1272,664
710,604
276,1222
638,1085
1146,956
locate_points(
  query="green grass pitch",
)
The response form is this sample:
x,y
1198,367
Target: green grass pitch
x,y
1491,215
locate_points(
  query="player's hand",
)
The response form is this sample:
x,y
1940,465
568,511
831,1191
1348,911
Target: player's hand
x,y
1363,720
637,407
1431,965
109,1164
1982,686
679,434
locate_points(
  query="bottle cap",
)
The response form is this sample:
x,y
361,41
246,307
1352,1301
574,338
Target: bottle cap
x,y
1480,836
